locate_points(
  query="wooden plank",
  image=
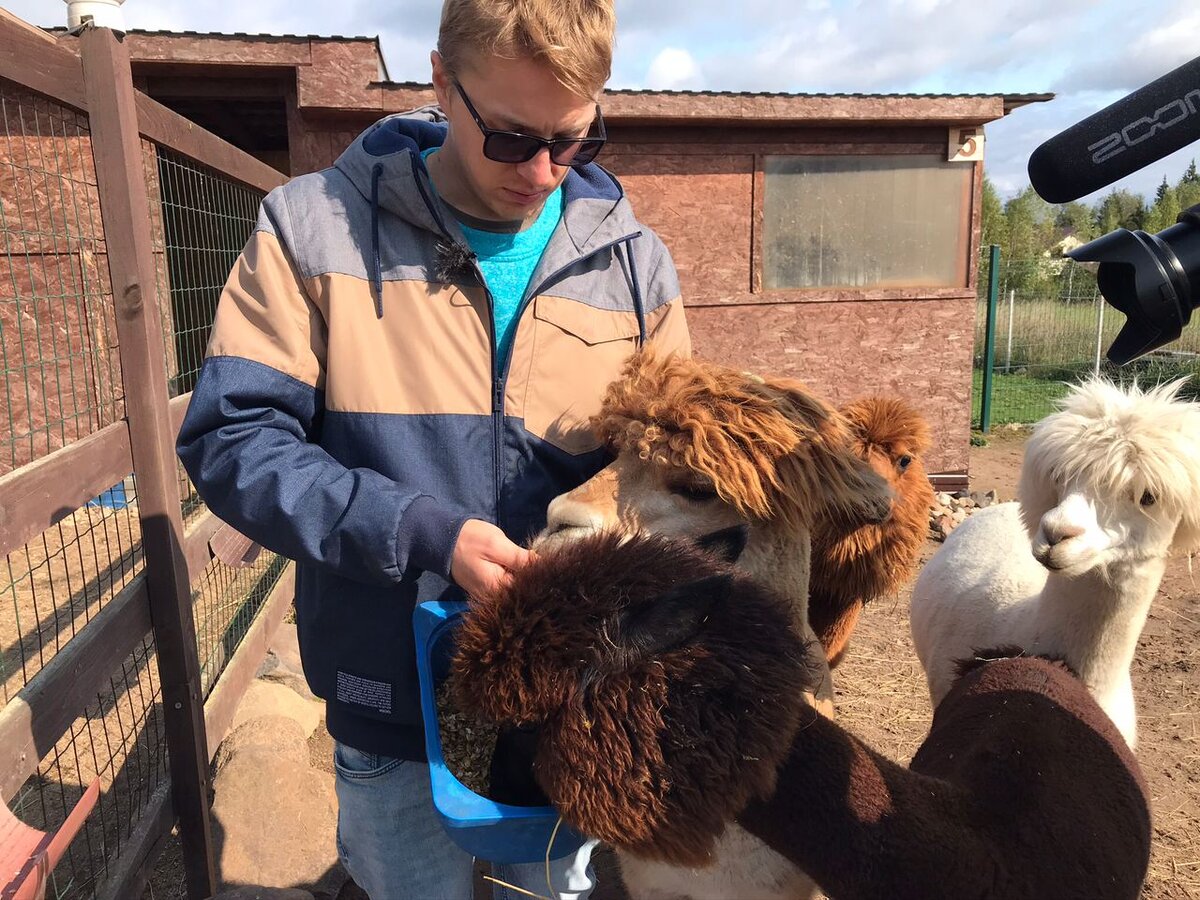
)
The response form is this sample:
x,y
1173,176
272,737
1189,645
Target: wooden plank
x,y
178,407
127,876
758,199
784,297
34,720
222,703
34,59
124,208
169,129
195,544
35,496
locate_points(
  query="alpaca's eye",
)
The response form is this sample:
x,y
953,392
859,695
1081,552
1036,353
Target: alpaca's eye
x,y
693,492
1148,499
903,463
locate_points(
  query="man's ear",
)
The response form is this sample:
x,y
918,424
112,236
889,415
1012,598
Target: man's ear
x,y
440,78
673,619
728,543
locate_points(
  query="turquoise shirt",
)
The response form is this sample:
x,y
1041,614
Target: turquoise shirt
x,y
508,259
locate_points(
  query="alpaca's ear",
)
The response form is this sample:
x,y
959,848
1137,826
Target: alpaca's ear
x,y
673,618
728,543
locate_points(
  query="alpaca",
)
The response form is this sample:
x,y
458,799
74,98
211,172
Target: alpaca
x,y
687,714
700,447
1109,488
851,569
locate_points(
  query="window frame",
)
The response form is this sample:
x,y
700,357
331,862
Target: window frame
x,y
967,252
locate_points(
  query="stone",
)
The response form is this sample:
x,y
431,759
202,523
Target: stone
x,y
282,662
274,818
280,736
268,698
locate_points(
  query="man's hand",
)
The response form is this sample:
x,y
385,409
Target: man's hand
x,y
483,558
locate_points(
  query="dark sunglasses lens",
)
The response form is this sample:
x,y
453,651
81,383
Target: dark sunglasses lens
x,y
509,148
576,153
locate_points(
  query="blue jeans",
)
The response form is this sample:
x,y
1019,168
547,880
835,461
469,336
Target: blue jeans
x,y
394,847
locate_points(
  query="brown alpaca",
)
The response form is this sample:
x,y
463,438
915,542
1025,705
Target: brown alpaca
x,y
669,691
1023,788
851,569
769,448
594,643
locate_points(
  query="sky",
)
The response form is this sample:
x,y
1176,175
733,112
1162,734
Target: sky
x,y
1089,53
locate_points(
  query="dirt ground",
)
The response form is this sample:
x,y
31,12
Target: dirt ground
x,y
881,692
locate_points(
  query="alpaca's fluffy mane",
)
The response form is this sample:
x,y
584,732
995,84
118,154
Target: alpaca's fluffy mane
x,y
758,440
649,750
1120,442
874,560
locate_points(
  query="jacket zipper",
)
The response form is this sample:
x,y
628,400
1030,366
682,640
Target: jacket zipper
x,y
500,374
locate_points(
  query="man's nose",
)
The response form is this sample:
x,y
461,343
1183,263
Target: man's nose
x,y
539,171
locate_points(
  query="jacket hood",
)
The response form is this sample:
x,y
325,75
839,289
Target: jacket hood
x,y
384,164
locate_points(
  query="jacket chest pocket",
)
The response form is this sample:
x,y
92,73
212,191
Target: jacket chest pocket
x,y
578,351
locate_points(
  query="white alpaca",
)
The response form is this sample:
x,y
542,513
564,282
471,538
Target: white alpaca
x,y
1110,487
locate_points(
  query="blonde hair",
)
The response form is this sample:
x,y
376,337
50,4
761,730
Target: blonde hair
x,y
574,38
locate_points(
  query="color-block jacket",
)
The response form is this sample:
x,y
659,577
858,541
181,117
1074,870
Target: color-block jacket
x,y
348,416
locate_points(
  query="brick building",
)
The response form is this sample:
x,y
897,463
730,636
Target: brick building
x,y
826,237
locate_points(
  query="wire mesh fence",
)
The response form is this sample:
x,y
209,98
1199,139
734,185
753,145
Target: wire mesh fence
x,y
224,604
1052,329
56,583
61,373
62,381
119,739
201,220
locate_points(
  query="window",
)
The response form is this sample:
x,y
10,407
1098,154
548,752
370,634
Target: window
x,y
865,222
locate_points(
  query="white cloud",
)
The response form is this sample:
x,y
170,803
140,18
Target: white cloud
x,y
672,70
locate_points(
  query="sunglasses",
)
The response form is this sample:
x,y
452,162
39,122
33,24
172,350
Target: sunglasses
x,y
515,147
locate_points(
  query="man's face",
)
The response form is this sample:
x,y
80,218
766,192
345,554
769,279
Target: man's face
x,y
509,95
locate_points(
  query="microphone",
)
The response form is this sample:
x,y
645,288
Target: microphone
x,y
1137,130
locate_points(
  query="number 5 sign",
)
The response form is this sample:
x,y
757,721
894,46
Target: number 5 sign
x,y
966,145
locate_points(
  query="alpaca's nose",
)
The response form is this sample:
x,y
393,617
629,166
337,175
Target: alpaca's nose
x,y
567,517
1057,533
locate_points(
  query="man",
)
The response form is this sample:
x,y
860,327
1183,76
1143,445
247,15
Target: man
x,y
399,380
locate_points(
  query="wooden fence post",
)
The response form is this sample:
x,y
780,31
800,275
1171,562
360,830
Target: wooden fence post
x,y
116,146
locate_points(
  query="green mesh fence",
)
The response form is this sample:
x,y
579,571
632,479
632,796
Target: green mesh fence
x,y
224,604
1053,329
201,220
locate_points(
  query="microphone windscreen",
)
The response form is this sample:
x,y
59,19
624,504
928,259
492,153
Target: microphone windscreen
x,y
1139,129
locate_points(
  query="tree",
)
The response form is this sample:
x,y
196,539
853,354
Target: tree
x,y
1165,210
994,226
1031,225
1188,188
1077,220
1120,209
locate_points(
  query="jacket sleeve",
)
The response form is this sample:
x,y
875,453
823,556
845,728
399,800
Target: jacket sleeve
x,y
246,441
667,324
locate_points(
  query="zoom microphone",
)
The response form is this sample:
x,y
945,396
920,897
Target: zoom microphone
x,y
1139,129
